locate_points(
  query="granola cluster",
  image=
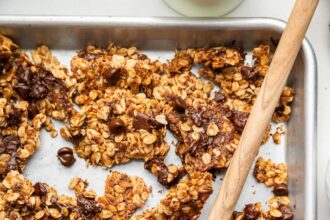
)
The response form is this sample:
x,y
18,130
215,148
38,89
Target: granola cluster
x,y
117,128
239,82
123,196
184,201
19,199
207,138
278,209
270,173
19,136
22,200
127,102
98,69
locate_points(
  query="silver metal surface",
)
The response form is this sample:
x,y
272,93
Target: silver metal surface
x,y
159,37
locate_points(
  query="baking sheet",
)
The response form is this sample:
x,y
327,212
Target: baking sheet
x,y
158,37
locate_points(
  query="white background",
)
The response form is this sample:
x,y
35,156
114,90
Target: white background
x,y
318,34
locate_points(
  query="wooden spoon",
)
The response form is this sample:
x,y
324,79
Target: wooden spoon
x,y
263,109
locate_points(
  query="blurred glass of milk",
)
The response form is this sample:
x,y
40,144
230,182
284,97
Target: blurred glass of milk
x,y
203,8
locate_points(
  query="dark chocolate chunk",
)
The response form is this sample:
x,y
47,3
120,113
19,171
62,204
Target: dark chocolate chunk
x,y
40,84
196,117
239,120
66,157
15,115
39,189
142,121
32,110
112,75
286,212
24,74
248,72
179,104
281,190
219,97
38,92
23,90
88,207
88,56
250,212
116,125
9,145
162,172
236,214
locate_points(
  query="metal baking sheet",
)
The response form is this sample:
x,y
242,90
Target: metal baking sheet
x,y
158,38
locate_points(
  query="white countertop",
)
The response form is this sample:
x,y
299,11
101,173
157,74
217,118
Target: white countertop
x,y
318,34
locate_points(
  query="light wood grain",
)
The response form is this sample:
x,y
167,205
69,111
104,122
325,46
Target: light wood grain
x,y
263,109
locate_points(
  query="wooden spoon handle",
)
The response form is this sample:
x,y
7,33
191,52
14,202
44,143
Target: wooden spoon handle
x,y
263,109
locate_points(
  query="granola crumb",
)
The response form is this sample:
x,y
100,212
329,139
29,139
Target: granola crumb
x,y
278,134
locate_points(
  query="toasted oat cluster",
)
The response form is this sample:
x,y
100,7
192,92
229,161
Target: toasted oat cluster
x,y
98,69
117,128
127,103
239,82
48,90
269,173
278,209
19,136
207,138
22,200
184,201
123,196
178,81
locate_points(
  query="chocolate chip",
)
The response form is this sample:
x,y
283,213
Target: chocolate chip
x,y
23,90
116,125
196,116
88,56
113,75
142,121
236,214
239,119
54,203
24,74
66,157
179,104
281,190
248,72
33,110
286,212
38,92
39,189
9,145
142,57
40,84
219,97
162,172
88,207
15,115
250,212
